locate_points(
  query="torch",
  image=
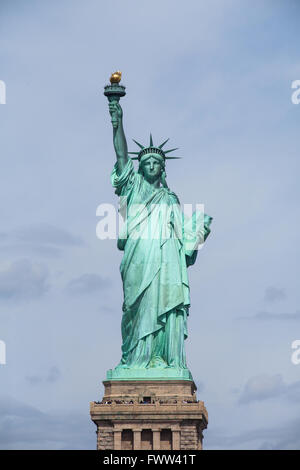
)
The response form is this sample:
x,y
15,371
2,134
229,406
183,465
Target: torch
x,y
114,91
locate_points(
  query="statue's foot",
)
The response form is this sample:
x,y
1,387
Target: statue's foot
x,y
122,366
177,367
157,363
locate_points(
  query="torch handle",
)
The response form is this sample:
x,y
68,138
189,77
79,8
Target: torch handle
x,y
114,116
113,93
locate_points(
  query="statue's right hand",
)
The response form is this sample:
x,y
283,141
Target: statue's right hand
x,y
116,113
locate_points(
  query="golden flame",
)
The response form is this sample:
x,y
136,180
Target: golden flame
x,y
116,77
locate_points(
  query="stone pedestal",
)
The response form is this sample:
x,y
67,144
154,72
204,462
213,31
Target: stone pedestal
x,y
149,415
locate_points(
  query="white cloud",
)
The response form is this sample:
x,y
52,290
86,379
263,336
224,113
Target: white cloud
x,y
23,280
262,387
87,283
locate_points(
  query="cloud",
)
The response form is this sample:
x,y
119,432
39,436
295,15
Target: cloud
x,y
41,239
284,436
11,407
262,316
87,284
34,379
54,374
274,294
23,279
47,234
277,316
293,392
24,427
262,387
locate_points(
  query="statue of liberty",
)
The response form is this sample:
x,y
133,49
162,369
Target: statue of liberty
x,y
159,243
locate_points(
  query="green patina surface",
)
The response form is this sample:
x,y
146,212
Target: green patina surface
x,y
159,243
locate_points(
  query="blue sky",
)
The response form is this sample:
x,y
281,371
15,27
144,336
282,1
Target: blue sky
x,y
216,78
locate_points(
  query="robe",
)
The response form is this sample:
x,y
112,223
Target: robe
x,y
159,244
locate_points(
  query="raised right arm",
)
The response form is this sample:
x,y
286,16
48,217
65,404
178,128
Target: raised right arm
x,y
119,138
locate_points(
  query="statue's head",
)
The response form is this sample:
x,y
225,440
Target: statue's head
x,y
151,167
152,161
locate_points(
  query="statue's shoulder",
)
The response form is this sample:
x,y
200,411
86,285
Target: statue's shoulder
x,y
124,179
173,197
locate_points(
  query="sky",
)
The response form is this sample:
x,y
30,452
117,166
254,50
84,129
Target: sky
x,y
215,77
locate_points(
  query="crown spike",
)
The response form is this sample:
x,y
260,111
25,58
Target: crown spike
x,y
161,145
137,143
171,150
172,158
151,140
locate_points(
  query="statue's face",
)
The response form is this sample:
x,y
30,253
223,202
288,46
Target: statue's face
x,y
151,168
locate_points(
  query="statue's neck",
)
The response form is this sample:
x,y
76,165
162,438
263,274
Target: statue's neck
x,y
155,184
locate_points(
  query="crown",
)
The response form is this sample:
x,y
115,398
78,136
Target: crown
x,y
153,149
